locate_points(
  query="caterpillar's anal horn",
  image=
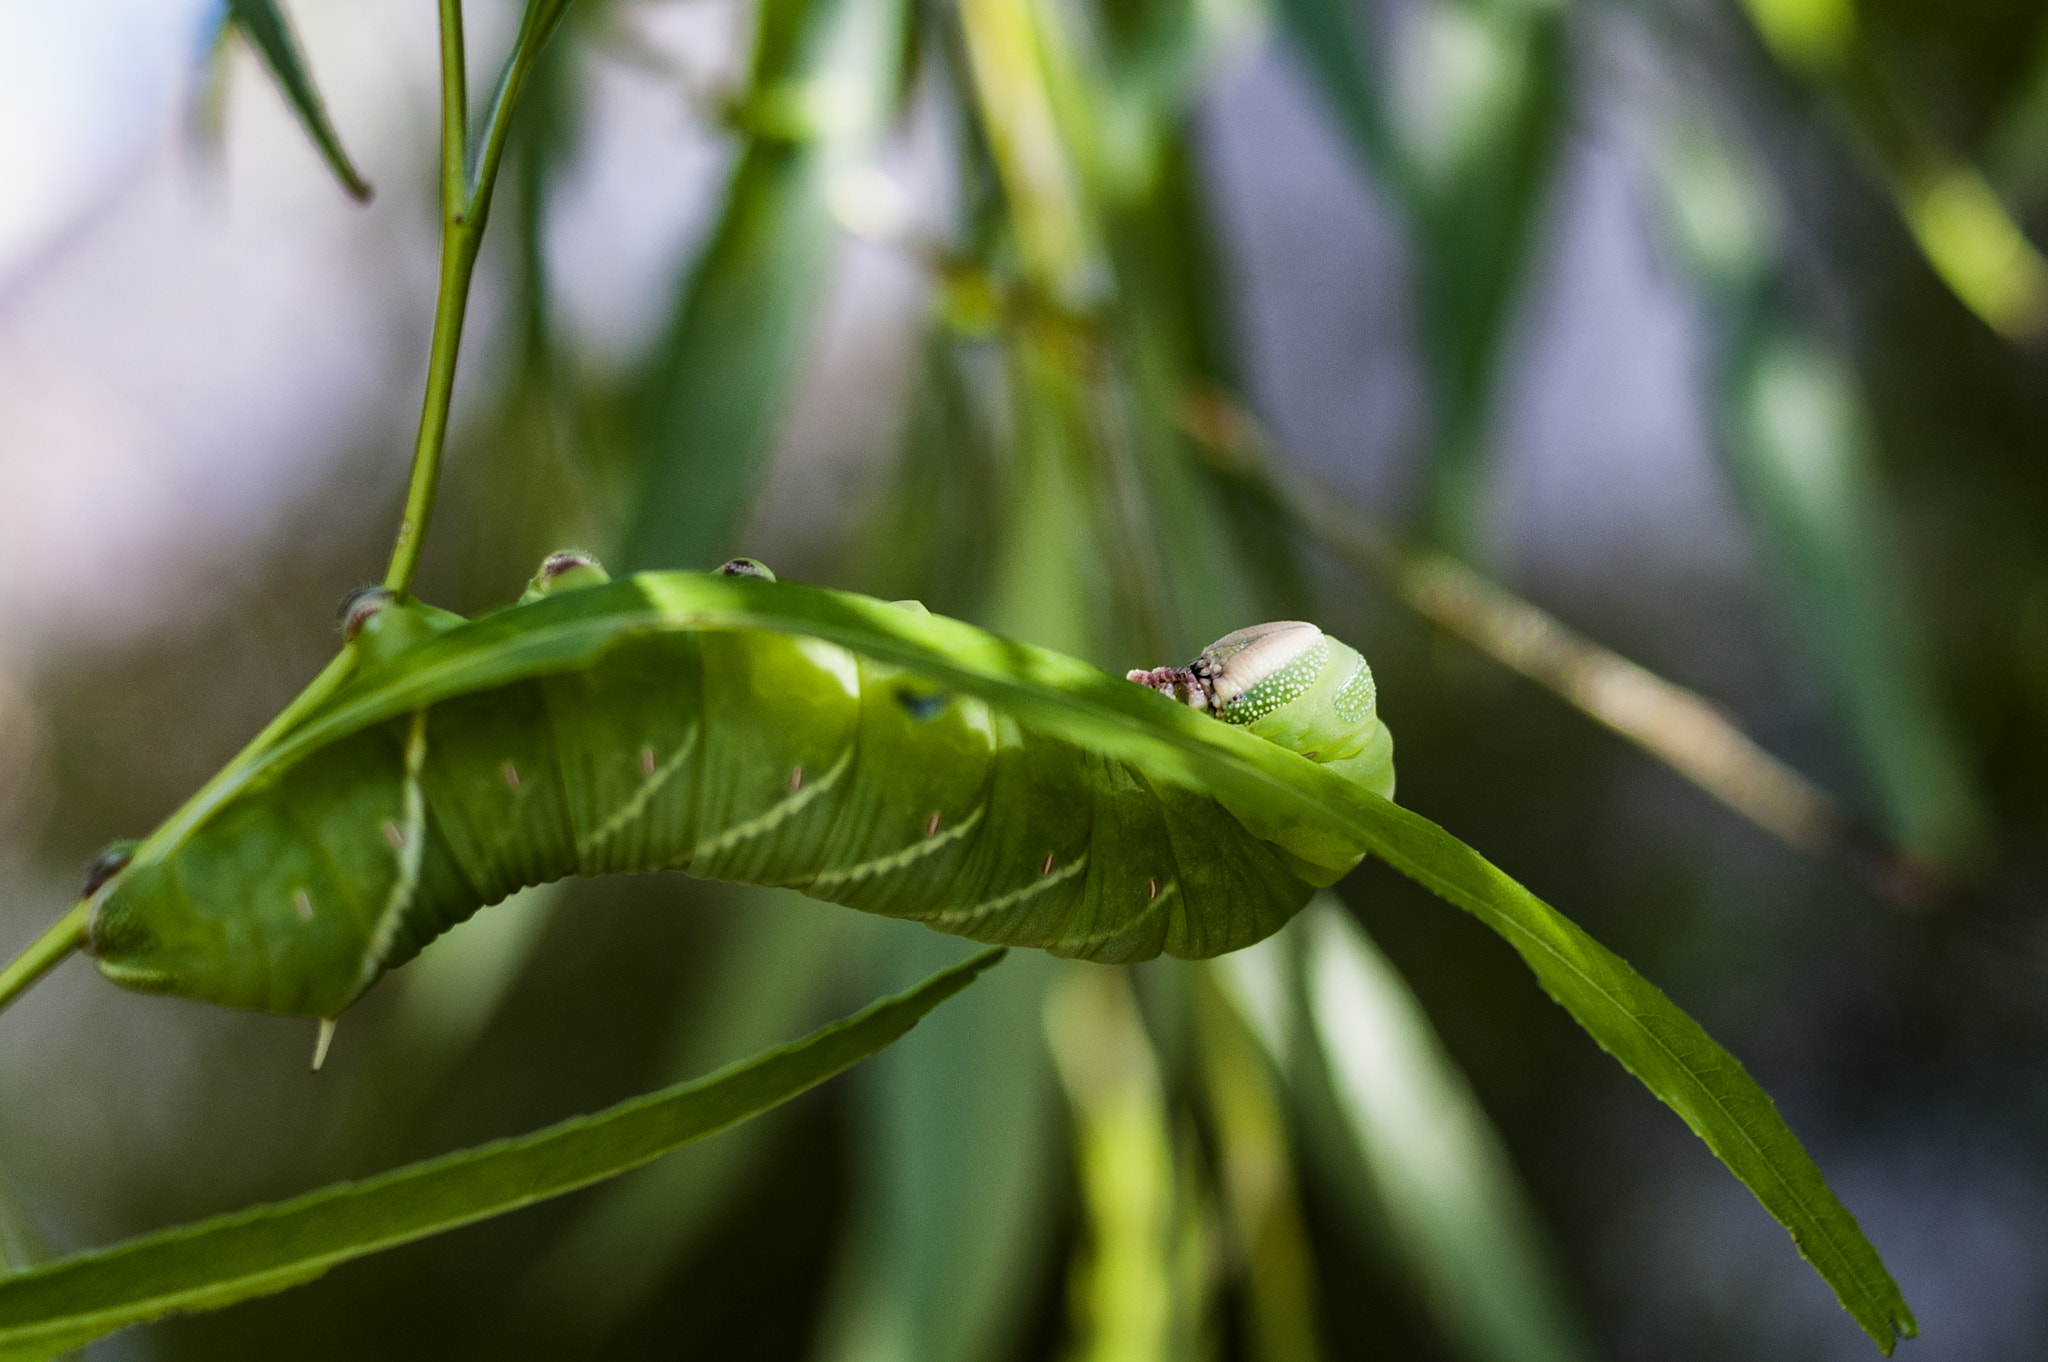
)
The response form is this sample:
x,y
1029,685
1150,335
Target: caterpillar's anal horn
x,y
321,1042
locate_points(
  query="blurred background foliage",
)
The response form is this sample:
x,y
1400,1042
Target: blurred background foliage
x,y
1713,327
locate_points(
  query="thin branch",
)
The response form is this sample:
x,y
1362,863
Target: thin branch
x,y
49,950
454,111
541,20
465,207
459,241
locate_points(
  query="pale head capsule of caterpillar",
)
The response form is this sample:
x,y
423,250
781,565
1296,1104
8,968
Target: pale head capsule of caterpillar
x,y
1251,672
745,567
1245,674
1292,684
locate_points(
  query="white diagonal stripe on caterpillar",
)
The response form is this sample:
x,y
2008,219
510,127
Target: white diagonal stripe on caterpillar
x,y
1158,901
896,860
409,851
1015,896
780,812
636,803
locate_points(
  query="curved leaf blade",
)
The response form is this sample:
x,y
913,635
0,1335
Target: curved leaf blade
x,y
229,1258
1414,1149
1657,1042
1624,1012
264,24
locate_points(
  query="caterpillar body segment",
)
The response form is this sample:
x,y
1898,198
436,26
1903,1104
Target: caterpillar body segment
x,y
739,754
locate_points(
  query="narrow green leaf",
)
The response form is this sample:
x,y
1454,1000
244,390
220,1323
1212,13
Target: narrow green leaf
x,y
264,24
1657,1042
217,1262
1796,434
778,956
1128,1295
1470,166
1240,1072
1406,1139
1286,794
1796,438
711,403
954,1165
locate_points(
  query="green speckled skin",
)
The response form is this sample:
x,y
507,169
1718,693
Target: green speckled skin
x,y
732,754
1331,718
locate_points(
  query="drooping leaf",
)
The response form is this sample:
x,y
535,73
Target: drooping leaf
x,y
1628,1016
769,974
1798,442
954,1196
214,1263
1400,1132
1255,1166
1130,1299
271,33
1467,156
1796,434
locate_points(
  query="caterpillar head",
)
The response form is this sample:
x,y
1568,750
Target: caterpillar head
x,y
1246,674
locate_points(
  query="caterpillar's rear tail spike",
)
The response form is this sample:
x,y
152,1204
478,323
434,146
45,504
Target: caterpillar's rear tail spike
x,y
64,936
325,1039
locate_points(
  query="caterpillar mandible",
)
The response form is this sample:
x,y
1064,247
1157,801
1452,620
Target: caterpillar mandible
x,y
599,727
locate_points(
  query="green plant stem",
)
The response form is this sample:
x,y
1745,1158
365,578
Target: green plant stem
x,y
202,803
465,204
64,936
67,933
466,187
461,234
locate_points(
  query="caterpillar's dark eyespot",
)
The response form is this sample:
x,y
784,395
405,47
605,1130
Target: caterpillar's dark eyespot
x,y
921,705
745,567
651,728
111,861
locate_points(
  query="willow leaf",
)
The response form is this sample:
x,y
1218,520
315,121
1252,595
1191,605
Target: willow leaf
x,y
954,1163
1627,1015
217,1262
714,397
1407,1137
264,24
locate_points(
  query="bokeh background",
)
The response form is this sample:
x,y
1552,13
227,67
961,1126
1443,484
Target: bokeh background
x,y
1711,327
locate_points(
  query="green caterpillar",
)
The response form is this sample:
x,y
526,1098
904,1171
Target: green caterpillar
x,y
593,729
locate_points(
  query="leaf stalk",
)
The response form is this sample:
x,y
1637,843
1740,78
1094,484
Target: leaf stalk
x,y
64,936
467,182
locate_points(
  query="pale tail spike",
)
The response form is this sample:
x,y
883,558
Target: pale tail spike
x,y
320,1046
